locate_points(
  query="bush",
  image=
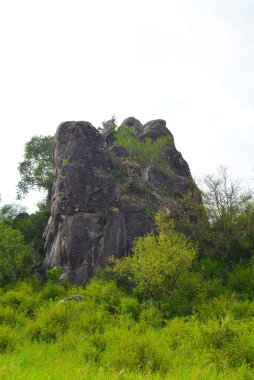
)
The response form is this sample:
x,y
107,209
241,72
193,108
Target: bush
x,y
10,317
151,315
130,306
22,299
133,351
229,342
16,259
52,291
50,323
8,339
103,293
241,280
158,262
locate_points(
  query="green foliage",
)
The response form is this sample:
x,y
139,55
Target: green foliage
x,y
111,334
8,339
36,169
241,280
109,129
32,226
149,153
171,310
231,215
9,212
52,291
126,138
16,259
158,261
54,274
149,211
130,306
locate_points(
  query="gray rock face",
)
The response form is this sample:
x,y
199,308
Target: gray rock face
x,y
155,129
99,202
131,122
76,298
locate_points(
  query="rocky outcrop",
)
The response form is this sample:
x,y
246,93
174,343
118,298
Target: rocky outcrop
x,y
99,201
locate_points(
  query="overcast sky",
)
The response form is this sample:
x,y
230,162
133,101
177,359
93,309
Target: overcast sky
x,y
188,62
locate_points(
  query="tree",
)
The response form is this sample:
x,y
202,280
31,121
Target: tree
x,y
9,212
223,196
230,213
36,170
149,153
31,226
16,259
158,261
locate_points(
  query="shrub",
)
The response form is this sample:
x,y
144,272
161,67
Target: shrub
x,y
149,153
54,274
241,280
50,323
8,339
22,299
16,259
158,262
52,291
134,351
103,293
151,315
10,317
130,306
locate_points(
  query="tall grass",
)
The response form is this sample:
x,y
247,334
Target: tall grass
x,y
112,335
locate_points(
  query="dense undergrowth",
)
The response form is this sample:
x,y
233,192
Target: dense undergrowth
x,y
111,333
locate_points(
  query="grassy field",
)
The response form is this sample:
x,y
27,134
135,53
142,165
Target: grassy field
x,y
111,335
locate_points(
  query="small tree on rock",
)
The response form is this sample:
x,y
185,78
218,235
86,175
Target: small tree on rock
x,y
149,153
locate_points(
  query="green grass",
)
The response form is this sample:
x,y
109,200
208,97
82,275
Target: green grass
x,y
112,335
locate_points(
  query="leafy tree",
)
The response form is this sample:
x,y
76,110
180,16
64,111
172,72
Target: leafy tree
x,y
126,138
224,197
32,226
36,170
158,261
230,212
191,217
150,153
9,212
16,259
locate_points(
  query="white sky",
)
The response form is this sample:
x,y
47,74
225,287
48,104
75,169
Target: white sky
x,y
190,62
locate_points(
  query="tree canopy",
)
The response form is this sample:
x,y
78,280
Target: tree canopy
x,y
36,169
16,258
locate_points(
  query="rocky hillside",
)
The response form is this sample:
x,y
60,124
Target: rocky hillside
x,y
104,195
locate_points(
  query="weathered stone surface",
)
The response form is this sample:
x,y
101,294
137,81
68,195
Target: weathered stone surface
x,y
118,151
76,298
99,200
178,164
131,122
155,129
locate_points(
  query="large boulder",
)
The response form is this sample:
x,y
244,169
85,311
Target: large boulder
x,y
133,123
100,203
155,129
